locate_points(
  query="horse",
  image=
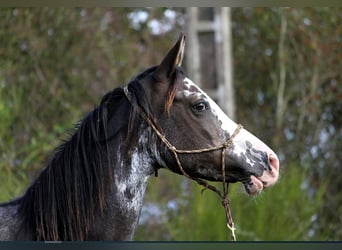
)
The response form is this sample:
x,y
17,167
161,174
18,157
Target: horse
x,y
93,186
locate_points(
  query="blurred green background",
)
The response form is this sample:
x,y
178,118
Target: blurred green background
x,y
57,63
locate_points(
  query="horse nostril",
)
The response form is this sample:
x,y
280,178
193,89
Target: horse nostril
x,y
274,162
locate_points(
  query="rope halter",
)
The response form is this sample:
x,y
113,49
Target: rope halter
x,y
224,194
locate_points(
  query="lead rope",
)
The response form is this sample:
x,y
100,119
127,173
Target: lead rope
x,y
224,194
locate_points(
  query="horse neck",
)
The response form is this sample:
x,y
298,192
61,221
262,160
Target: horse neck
x,y
131,171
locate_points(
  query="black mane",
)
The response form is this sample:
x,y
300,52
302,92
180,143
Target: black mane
x,y
62,202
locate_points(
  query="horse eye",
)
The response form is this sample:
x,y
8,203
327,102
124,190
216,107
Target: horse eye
x,y
201,106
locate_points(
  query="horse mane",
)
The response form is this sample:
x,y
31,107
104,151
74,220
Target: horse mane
x,y
62,202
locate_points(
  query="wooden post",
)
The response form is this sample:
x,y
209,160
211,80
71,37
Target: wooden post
x,y
209,58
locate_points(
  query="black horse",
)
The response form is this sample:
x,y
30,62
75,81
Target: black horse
x,y
93,187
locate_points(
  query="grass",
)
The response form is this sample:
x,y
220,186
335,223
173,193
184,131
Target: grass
x,y
286,211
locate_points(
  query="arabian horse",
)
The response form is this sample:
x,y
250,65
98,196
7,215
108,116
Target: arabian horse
x,y
93,186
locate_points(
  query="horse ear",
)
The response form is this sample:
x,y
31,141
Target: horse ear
x,y
172,60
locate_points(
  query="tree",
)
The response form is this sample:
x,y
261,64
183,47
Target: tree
x,y
55,65
294,56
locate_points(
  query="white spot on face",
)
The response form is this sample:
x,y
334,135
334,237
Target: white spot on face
x,y
243,141
226,123
187,89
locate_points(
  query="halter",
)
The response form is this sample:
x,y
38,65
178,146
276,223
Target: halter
x,y
224,194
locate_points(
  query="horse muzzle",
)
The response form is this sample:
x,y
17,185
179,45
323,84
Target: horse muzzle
x,y
256,184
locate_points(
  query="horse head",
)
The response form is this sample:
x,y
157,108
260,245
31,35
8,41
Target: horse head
x,y
189,119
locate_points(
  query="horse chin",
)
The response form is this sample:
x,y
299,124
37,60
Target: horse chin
x,y
254,185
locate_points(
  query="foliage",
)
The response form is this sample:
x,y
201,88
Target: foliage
x,y
56,64
288,211
309,132
11,178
